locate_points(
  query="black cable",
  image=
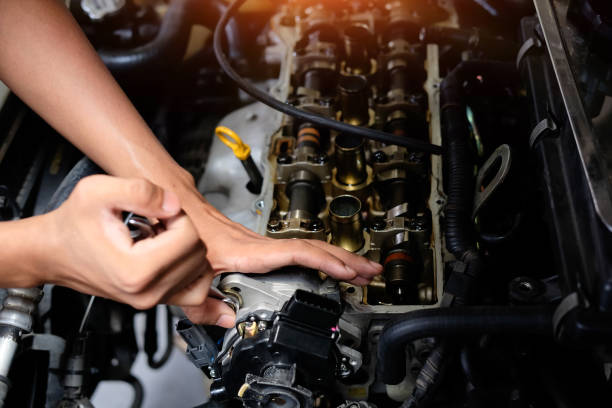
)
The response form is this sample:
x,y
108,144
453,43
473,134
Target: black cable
x,y
150,345
263,97
138,391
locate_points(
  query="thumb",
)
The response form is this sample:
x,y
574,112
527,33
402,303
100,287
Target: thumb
x,y
136,195
213,312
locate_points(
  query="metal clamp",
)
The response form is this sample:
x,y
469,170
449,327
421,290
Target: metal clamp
x,y
503,154
546,125
569,303
529,45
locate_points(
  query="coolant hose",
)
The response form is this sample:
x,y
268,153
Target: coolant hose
x,y
455,322
167,49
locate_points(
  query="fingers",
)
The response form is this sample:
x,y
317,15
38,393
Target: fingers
x,y
359,281
180,240
264,256
213,312
261,256
360,264
133,195
193,294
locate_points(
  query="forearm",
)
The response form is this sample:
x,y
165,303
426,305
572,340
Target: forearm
x,y
24,247
48,62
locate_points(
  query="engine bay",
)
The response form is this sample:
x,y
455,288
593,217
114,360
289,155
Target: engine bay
x,y
467,152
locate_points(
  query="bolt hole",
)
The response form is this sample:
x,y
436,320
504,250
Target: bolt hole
x,y
351,289
235,289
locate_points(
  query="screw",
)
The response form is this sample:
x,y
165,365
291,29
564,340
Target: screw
x,y
311,225
379,225
345,370
415,157
284,159
321,159
380,157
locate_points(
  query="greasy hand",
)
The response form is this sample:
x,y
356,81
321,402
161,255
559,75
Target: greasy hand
x,y
92,251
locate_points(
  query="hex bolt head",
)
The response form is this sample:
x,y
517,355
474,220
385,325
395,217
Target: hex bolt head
x,y
284,159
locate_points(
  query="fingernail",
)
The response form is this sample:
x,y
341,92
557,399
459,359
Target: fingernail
x,y
351,271
171,202
376,265
226,321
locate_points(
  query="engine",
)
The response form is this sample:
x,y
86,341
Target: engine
x,y
294,341
461,144
303,339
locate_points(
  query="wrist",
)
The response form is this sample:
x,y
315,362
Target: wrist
x,y
28,252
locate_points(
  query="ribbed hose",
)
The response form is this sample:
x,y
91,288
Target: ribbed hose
x,y
459,180
455,322
169,46
459,236
458,162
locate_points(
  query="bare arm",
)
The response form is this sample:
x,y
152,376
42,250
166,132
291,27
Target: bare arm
x,y
47,61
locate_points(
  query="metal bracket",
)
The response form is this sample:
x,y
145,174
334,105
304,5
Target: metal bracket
x,y
528,46
569,303
502,153
546,125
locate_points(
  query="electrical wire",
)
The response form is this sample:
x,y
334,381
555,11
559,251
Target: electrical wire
x,y
86,314
288,109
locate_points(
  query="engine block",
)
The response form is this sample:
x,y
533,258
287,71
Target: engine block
x,y
381,201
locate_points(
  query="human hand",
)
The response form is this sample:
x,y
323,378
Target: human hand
x,y
233,248
90,249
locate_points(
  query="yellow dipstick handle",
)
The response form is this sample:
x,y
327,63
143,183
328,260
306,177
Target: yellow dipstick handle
x,y
232,140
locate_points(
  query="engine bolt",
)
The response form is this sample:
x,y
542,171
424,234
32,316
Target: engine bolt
x,y
321,159
311,225
284,159
380,157
379,225
415,157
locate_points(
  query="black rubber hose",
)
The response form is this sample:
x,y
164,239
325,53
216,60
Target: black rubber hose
x,y
458,162
459,187
84,167
459,177
138,397
169,46
305,116
455,322
151,337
